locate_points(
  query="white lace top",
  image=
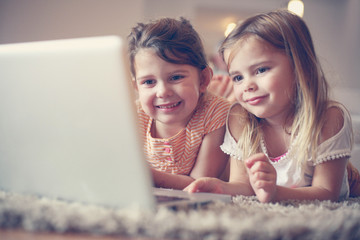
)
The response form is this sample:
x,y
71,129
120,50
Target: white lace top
x,y
288,173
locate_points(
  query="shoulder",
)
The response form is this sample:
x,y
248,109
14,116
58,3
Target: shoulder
x,y
211,101
335,119
213,108
236,120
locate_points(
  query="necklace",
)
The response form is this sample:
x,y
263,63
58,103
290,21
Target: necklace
x,y
279,158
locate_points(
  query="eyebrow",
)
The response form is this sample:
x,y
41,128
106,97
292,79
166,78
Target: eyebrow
x,y
150,76
233,73
255,65
179,71
144,77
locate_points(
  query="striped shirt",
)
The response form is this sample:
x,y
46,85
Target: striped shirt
x,y
178,153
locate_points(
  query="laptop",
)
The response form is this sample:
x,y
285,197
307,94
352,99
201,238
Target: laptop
x,y
68,126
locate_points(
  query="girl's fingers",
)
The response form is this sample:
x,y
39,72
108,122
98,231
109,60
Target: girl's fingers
x,y
229,86
220,85
258,158
264,176
262,184
194,186
205,184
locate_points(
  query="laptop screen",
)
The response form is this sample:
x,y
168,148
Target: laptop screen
x,y
67,126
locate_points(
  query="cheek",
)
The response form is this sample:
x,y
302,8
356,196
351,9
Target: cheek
x,y
275,85
145,97
238,92
188,91
287,86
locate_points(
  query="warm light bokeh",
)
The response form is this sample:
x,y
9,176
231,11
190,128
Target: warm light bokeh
x,y
297,7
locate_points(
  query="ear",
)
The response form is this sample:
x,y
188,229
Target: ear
x,y
205,78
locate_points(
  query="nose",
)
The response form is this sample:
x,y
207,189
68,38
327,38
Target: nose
x,y
163,90
249,85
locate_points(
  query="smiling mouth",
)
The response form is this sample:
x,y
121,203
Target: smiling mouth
x,y
169,106
252,99
255,100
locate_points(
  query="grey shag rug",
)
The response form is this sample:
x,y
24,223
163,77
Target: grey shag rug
x,y
245,218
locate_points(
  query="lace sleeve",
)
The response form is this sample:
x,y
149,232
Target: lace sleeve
x,y
230,146
339,145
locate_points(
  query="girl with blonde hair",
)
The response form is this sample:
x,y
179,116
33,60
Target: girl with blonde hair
x,y
286,138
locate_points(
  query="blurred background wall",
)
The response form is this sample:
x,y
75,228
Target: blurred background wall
x,y
334,24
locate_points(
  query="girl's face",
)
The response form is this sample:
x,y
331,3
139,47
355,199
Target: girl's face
x,y
168,93
263,78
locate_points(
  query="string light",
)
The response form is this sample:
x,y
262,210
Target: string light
x,y
297,7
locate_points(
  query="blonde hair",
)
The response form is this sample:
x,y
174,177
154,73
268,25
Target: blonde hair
x,y
288,33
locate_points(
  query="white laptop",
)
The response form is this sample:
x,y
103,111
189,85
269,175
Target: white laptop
x,y
68,127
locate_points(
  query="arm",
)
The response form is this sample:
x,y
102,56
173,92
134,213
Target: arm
x,y
327,177
168,180
237,185
210,161
238,182
326,183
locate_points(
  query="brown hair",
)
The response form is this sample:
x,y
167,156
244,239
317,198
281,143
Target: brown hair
x,y
174,41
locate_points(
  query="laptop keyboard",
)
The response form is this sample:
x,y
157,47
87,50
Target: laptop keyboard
x,y
162,199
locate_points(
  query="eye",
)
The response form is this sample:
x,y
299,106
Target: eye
x,y
148,82
237,78
261,70
176,77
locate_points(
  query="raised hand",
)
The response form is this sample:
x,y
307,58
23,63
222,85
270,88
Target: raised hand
x,y
262,176
221,85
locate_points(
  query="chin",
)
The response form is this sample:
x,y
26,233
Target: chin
x,y
260,115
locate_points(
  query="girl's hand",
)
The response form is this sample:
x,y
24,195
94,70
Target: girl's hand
x,y
222,85
205,184
262,176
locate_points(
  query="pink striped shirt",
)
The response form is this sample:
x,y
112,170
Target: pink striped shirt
x,y
178,153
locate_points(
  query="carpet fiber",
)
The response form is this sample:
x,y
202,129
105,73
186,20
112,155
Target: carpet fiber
x,y
245,218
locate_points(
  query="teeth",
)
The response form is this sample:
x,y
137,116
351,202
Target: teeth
x,y
169,106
